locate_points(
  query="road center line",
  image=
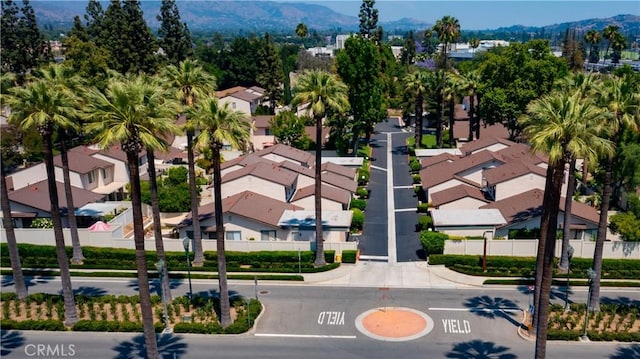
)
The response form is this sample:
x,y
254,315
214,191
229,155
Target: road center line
x,y
268,335
402,187
392,251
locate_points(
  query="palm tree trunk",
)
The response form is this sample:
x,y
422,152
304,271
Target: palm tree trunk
x,y
452,106
440,121
319,261
544,223
78,256
477,118
198,254
141,257
225,306
566,225
70,314
14,255
419,124
157,230
594,300
585,172
551,213
471,122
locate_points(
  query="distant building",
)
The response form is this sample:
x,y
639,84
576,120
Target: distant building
x,y
340,40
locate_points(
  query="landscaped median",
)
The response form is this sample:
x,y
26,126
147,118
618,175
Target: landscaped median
x,y
114,262
111,313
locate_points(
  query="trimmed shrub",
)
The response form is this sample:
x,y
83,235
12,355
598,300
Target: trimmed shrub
x,y
425,222
416,179
197,328
349,256
415,165
363,177
357,221
433,242
360,204
362,192
330,256
48,325
423,207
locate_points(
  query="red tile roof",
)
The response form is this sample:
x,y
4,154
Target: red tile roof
x,y
328,192
444,171
36,196
303,157
510,171
456,193
229,91
262,121
344,171
443,157
484,142
269,172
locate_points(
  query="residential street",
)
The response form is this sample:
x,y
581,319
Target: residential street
x,y
389,229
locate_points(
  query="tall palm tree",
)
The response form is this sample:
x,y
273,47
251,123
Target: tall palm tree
x,y
621,99
448,30
451,91
468,83
584,85
321,93
191,82
562,125
609,32
593,37
416,84
7,82
132,112
65,79
46,108
219,125
436,101
618,44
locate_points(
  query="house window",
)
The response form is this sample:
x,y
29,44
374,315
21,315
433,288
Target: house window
x,y
233,105
232,235
92,177
268,235
105,173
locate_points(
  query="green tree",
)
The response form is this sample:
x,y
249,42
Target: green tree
x,y
11,41
609,32
87,60
562,125
220,125
270,76
448,30
593,37
474,43
302,32
64,79
359,67
627,224
620,97
190,82
618,44
368,19
408,53
39,106
320,93
416,84
288,129
513,77
94,17
469,83
174,36
572,51
139,43
132,112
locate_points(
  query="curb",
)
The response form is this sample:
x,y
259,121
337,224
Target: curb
x,y
452,280
521,331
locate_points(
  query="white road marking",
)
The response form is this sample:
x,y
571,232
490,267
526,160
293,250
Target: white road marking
x,y
379,168
391,219
405,210
304,336
487,310
402,187
379,258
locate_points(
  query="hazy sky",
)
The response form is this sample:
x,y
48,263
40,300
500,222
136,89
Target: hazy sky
x,y
474,15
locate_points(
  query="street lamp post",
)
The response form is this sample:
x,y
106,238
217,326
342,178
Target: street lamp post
x,y
484,251
566,293
160,265
592,274
185,244
299,262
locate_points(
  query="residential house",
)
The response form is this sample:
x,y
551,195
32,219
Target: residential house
x,y
270,180
261,135
467,222
333,198
459,197
242,99
302,224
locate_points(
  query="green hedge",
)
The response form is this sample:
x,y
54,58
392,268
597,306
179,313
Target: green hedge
x,y
357,221
525,266
425,222
106,326
423,207
362,192
416,179
329,255
360,204
363,177
414,165
48,325
433,242
349,256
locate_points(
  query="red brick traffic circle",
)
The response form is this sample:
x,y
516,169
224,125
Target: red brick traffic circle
x,y
394,324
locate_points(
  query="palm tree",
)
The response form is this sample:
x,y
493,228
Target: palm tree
x,y
416,84
474,43
620,98
451,91
619,43
448,30
132,112
321,93
468,83
302,31
191,82
46,108
562,125
584,85
7,81
66,80
593,38
219,125
609,32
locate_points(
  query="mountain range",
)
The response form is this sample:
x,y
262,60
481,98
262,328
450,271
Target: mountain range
x,y
278,16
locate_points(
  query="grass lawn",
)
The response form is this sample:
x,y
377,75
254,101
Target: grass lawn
x,y
428,141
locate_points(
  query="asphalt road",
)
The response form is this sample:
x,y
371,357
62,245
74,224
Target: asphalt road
x,y
317,321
